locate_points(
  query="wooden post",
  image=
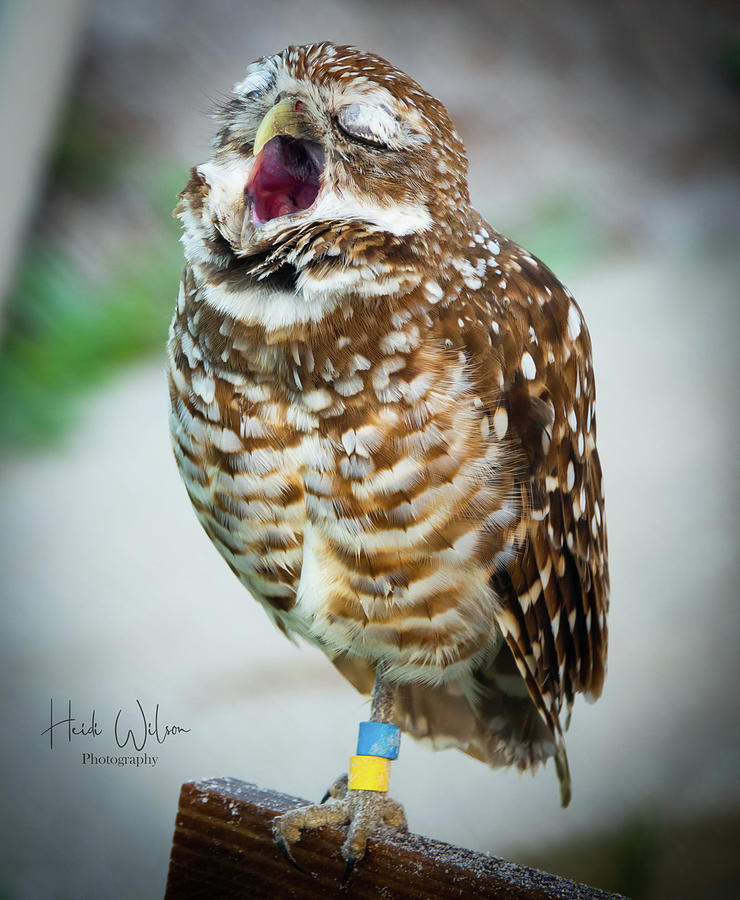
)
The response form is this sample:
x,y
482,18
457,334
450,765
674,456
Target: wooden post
x,y
223,847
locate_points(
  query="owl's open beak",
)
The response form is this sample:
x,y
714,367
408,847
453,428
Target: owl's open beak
x,y
286,175
283,118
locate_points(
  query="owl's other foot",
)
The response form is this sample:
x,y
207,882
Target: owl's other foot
x,y
363,811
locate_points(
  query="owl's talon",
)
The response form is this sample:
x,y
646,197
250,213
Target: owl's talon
x,y
349,868
285,850
337,789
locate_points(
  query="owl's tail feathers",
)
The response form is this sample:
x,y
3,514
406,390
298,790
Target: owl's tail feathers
x,y
563,770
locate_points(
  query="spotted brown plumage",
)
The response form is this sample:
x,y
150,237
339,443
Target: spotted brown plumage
x,y
383,410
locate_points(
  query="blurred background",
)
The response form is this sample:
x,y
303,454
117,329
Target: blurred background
x,y
605,138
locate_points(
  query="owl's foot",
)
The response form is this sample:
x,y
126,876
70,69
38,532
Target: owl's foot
x,y
364,811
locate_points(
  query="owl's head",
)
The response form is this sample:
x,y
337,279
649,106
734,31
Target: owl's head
x,y
326,157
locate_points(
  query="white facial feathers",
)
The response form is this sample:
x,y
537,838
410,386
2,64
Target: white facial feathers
x,y
259,79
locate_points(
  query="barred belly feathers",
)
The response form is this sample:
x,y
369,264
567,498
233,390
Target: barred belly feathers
x,y
383,410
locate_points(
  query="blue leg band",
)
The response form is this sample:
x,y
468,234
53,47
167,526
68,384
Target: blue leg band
x,y
379,739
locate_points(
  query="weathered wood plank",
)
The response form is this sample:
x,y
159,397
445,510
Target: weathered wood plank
x,y
223,847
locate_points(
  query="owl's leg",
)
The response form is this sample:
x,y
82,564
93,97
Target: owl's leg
x,y
364,810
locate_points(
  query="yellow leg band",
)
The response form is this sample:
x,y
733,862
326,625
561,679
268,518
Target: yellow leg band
x,y
369,773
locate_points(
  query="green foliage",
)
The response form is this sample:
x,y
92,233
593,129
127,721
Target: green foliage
x,y
67,332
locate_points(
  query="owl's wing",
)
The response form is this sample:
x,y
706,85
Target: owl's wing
x,y
555,589
532,373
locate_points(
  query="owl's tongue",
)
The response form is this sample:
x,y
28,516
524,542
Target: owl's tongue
x,y
284,179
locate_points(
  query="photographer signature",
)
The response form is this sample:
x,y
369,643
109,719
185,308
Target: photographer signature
x,y
132,728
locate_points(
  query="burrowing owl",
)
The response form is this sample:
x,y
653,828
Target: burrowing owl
x,y
383,412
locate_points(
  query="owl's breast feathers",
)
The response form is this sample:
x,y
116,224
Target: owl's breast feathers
x,y
410,480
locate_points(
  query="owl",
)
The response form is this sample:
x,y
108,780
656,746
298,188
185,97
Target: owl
x,y
383,413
